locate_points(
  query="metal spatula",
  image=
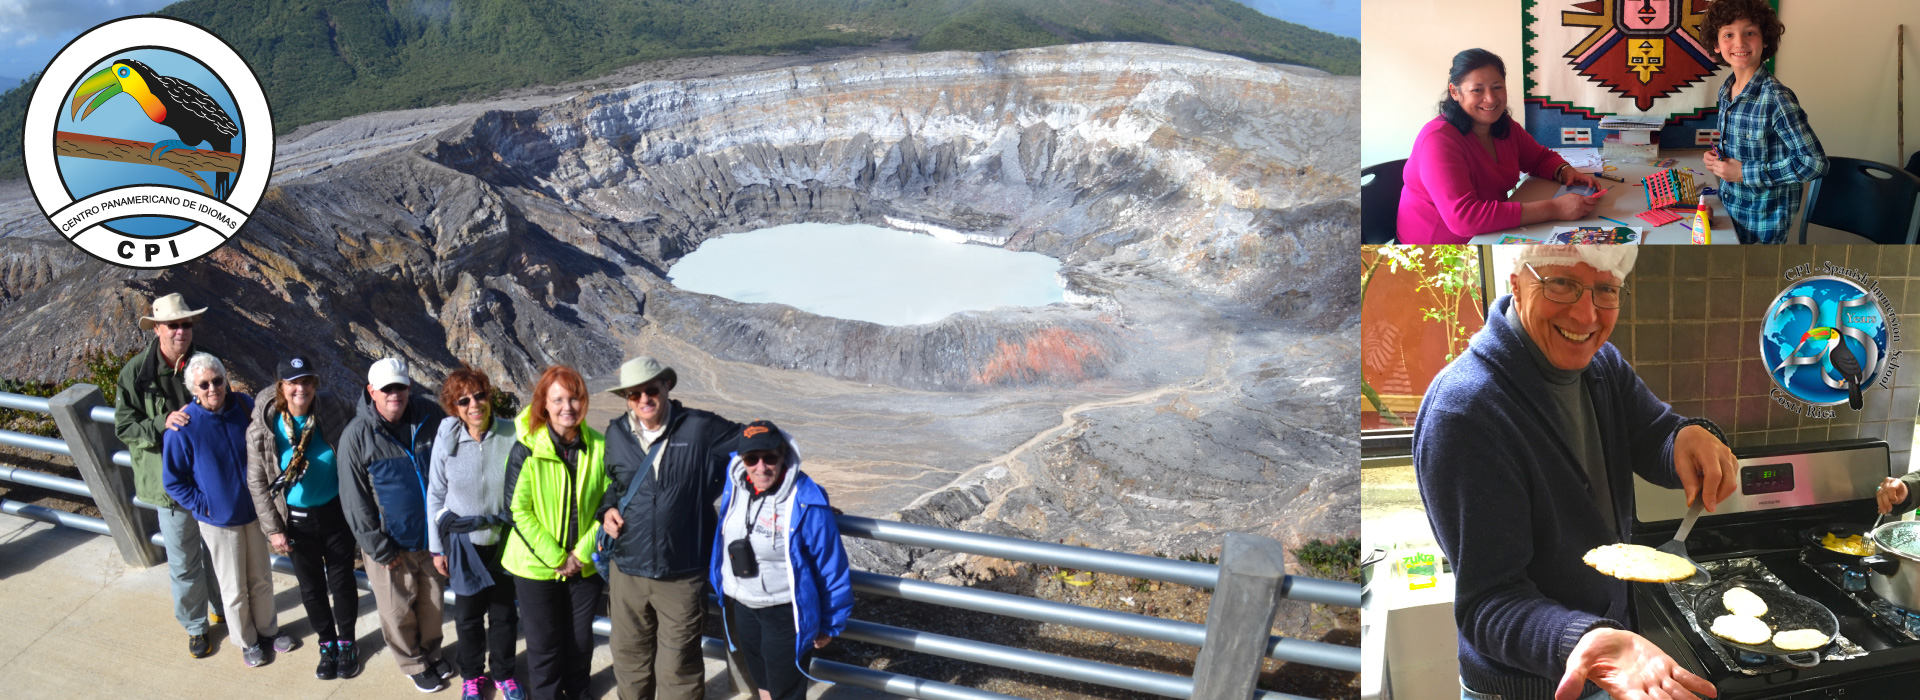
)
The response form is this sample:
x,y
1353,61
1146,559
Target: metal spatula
x,y
1678,545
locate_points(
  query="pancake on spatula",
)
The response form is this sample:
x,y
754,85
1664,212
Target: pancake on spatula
x,y
1632,562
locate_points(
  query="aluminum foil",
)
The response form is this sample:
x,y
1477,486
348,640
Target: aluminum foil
x,y
1750,569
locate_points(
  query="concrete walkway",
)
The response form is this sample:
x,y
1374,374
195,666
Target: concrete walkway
x,y
77,622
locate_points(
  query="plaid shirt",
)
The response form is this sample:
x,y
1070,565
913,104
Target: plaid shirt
x,y
1765,129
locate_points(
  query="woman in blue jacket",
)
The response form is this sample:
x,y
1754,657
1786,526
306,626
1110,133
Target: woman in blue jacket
x,y
204,469
777,563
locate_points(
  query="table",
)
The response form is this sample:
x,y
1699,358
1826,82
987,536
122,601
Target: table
x,y
1625,202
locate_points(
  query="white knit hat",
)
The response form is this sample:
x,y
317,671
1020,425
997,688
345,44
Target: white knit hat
x,y
1617,259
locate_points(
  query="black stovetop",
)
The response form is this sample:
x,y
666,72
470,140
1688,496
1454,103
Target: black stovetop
x,y
1888,668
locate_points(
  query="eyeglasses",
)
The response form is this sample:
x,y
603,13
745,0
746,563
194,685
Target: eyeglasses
x,y
648,389
393,389
1566,291
771,459
176,325
470,398
211,383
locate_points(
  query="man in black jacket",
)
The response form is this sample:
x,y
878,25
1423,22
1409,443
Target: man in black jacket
x,y
673,460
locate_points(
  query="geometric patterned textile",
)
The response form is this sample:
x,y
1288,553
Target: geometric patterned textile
x,y
1624,57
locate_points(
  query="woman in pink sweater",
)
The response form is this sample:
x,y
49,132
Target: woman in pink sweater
x,y
1466,160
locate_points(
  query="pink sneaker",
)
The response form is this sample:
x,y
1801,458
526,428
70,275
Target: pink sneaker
x,y
510,690
471,690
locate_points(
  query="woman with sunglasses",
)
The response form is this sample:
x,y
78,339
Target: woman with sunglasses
x,y
777,563
295,483
556,475
205,471
467,505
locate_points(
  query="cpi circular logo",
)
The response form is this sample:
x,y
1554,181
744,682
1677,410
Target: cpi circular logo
x,y
1825,341
148,142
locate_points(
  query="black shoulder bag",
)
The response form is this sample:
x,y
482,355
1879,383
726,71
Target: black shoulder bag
x,y
603,543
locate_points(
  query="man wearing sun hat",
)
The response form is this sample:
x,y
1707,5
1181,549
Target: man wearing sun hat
x,y
1525,448
667,464
151,398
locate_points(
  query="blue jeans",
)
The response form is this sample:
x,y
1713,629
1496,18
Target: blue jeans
x,y
194,589
1469,694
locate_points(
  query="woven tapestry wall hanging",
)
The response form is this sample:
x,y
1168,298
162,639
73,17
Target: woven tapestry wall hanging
x,y
1637,57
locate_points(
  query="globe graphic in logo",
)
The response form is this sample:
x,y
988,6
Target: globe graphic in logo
x,y
1805,327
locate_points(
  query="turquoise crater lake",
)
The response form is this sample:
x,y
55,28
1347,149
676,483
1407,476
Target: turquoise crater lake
x,y
866,273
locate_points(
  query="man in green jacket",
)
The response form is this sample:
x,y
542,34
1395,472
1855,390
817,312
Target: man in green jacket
x,y
151,400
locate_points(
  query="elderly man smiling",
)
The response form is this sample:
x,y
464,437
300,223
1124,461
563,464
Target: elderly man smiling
x,y
1524,448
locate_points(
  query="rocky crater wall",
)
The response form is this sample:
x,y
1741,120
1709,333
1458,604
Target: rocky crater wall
x,y
530,236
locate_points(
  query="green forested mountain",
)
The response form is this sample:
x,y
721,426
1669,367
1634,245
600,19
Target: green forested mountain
x,y
327,59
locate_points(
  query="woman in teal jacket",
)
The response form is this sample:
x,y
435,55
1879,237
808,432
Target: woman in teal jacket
x,y
777,563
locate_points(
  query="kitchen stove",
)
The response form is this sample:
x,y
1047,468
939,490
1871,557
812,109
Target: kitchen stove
x,y
1755,536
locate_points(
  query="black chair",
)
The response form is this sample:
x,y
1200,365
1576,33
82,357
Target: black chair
x,y
1380,201
1865,198
1913,164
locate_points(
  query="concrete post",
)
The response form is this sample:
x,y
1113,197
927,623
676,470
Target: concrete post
x,y
93,444
1253,572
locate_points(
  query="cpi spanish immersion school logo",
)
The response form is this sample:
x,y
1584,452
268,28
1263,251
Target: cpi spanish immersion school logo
x,y
1827,339
148,142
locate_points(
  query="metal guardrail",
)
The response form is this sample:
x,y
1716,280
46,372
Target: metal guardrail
x,y
1193,574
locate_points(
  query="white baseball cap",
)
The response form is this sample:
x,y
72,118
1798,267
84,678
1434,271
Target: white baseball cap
x,y
1617,259
388,372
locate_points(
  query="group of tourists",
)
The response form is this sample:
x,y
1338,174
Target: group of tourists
x,y
529,520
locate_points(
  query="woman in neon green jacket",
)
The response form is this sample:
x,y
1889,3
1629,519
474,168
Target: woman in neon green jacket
x,y
556,475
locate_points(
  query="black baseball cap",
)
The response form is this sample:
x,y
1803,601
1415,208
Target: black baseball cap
x,y
295,367
759,435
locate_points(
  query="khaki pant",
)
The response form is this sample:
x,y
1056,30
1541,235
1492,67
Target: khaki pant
x,y
408,597
656,635
240,566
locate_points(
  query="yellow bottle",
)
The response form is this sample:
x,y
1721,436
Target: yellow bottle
x,y
1702,224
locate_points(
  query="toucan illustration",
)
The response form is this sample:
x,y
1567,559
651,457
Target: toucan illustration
x,y
1850,372
170,102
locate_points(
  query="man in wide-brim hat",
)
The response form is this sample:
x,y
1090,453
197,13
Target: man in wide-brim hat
x,y
667,464
152,399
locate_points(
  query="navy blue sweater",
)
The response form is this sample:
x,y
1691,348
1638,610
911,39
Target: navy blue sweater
x,y
1513,510
204,463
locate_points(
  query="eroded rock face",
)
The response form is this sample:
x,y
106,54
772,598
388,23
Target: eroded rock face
x,y
1204,209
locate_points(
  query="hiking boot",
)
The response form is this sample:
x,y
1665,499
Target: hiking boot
x,y
214,618
283,643
441,668
199,645
474,688
254,656
347,654
329,667
427,681
510,690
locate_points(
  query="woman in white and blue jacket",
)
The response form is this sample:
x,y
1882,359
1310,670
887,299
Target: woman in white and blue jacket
x,y
792,593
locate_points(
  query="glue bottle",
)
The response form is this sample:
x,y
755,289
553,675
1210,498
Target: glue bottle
x,y
1702,218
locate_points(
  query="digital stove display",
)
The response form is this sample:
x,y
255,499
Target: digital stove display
x,y
1766,478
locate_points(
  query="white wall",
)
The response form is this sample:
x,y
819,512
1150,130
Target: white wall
x,y
1837,56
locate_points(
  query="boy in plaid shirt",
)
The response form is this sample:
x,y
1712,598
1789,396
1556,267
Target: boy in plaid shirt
x,y
1766,147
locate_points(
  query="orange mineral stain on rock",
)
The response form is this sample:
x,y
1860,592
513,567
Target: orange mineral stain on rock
x,y
1049,353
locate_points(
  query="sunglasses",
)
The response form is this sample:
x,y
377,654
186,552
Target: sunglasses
x,y
211,383
393,389
771,459
469,399
176,325
645,389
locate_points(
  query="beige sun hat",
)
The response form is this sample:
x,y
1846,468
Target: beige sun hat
x,y
167,309
641,370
